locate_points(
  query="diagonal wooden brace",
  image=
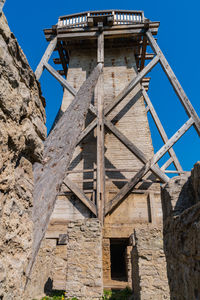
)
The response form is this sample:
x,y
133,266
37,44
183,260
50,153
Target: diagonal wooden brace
x,y
161,129
174,82
62,81
120,97
45,57
81,195
136,151
145,169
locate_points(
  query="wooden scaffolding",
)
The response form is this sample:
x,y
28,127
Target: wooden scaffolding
x,y
101,26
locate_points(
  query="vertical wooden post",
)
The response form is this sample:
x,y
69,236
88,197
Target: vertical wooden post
x,y
100,133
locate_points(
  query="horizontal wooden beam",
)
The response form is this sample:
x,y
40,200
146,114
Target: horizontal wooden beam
x,y
57,61
176,172
45,57
107,33
145,169
175,83
80,194
148,56
61,72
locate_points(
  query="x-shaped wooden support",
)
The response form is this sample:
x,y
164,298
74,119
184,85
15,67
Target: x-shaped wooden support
x,y
148,165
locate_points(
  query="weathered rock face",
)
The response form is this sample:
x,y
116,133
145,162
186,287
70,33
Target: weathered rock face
x,y
181,208
149,271
22,131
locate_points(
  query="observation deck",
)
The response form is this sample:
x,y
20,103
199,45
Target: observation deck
x,y
121,28
114,23
111,17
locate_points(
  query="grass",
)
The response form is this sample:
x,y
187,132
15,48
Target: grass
x,y
117,295
108,295
57,295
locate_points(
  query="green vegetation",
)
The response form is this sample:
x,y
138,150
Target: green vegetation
x,y
57,295
108,295
117,295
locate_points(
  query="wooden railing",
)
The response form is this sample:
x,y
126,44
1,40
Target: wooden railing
x,y
119,16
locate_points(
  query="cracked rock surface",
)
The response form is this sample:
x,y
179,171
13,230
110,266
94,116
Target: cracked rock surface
x,y
22,131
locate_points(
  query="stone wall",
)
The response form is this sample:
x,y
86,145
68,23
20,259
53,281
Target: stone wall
x,y
181,210
22,131
149,264
84,260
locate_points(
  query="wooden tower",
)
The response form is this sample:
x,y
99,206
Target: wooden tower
x,y
113,175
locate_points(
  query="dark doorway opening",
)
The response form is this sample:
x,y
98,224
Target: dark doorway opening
x,y
118,259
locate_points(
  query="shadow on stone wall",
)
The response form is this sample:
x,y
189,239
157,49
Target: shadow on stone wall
x,y
181,233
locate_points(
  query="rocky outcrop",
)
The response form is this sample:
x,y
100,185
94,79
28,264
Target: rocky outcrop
x,y
22,131
181,211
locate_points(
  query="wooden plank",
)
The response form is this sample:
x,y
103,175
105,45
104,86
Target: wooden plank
x,y
81,171
57,61
175,83
143,55
161,129
87,130
145,169
62,81
167,164
148,56
80,194
45,57
147,108
172,140
107,33
152,25
61,72
100,48
58,150
100,134
135,150
176,172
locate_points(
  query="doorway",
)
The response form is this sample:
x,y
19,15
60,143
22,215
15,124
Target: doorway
x,y
118,259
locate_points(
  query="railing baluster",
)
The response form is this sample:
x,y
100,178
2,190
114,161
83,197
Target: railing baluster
x,y
120,17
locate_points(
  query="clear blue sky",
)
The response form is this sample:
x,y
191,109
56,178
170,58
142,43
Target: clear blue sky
x,y
178,37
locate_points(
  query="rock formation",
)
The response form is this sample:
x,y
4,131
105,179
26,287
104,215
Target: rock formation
x,y
22,131
181,211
